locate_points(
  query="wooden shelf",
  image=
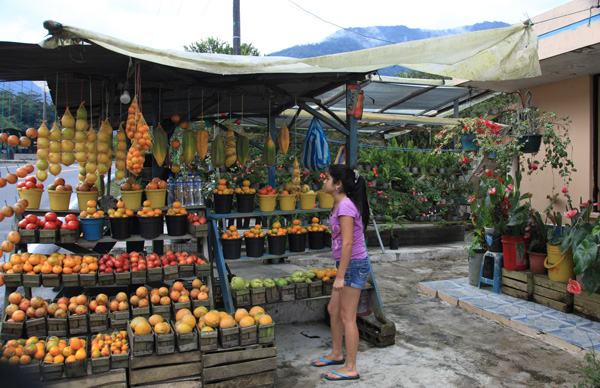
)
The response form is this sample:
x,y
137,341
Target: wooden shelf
x,y
77,211
286,254
107,239
212,215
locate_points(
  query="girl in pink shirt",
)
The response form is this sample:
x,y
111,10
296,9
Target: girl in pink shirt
x,y
348,221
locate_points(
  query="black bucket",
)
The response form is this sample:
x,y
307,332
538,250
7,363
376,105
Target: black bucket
x,y
494,240
255,246
176,225
151,227
135,226
232,248
245,203
297,242
530,143
277,244
316,240
327,239
223,203
120,227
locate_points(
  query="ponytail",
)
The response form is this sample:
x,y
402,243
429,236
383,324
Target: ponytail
x,y
355,187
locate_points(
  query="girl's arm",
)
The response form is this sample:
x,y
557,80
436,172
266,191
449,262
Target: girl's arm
x,y
347,231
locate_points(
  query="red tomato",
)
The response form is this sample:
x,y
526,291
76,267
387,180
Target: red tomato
x,y
31,179
21,185
142,267
202,221
31,218
30,185
63,226
50,216
50,225
70,217
31,226
72,225
22,224
39,185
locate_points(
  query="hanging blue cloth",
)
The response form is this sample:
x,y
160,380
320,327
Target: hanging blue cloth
x,y
315,155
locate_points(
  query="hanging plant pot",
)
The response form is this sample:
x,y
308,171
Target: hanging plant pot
x,y
468,142
529,144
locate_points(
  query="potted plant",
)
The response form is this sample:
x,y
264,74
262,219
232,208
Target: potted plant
x,y
476,249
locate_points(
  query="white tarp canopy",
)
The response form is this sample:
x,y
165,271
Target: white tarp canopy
x,y
490,55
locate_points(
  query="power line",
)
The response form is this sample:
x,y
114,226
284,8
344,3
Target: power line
x,y
569,14
340,27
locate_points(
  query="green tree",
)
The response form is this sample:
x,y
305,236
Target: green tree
x,y
218,46
23,110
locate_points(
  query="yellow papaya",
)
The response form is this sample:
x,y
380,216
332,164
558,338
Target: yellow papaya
x,y
202,141
217,152
242,147
188,146
159,148
269,152
283,138
230,151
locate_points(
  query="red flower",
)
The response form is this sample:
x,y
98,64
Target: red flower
x,y
489,173
570,213
573,287
492,191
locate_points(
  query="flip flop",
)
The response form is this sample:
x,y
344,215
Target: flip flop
x,y
342,377
327,362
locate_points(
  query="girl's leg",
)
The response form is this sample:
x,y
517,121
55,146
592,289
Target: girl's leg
x,y
337,329
348,305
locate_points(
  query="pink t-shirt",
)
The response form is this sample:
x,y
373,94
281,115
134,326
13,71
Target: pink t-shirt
x,y
347,208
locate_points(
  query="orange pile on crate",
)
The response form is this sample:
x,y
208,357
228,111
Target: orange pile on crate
x,y
325,274
34,263
23,351
104,344
59,351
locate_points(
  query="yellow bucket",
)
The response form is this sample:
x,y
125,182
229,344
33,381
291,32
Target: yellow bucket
x,y
560,265
59,200
157,197
84,196
325,200
33,196
132,199
307,201
287,202
266,203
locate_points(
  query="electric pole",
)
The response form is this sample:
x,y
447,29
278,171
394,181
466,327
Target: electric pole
x,y
237,49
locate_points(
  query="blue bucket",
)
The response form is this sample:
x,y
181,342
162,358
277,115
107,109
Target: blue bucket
x,y
468,142
93,228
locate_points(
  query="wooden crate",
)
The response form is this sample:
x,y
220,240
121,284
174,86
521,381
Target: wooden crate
x,y
32,280
76,368
139,277
162,310
200,302
106,279
118,319
248,335
33,370
51,279
154,275
287,293
78,324
123,278
140,345
258,296
36,327
165,369
70,280
587,305
140,312
13,279
98,322
301,290
203,272
12,330
47,236
69,236
518,284
51,371
118,361
208,340
241,298
171,272
251,367
552,294
198,230
266,333
29,236
57,326
327,287
100,364
272,294
315,288
229,338
187,270
111,379
187,341
88,279
165,343
180,306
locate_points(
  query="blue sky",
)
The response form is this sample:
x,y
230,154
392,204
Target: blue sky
x,y
270,25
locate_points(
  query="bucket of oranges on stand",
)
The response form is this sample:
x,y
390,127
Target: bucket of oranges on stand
x,y
277,238
151,221
245,198
120,220
92,222
223,198
316,234
231,241
255,241
297,237
176,220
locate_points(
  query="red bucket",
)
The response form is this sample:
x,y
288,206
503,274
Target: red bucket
x,y
514,253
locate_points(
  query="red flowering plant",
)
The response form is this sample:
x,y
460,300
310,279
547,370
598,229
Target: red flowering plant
x,y
487,134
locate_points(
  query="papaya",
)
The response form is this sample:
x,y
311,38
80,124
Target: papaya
x,y
230,147
283,138
269,152
202,141
242,147
159,148
188,146
217,151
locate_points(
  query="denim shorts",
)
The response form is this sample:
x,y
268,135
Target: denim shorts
x,y
357,273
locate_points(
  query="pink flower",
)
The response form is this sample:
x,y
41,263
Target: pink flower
x,y
492,191
425,199
565,189
533,166
573,287
527,235
570,213
471,199
509,188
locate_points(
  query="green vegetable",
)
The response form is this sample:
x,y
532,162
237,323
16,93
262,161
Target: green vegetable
x,y
256,283
247,282
238,284
281,282
269,283
298,277
310,274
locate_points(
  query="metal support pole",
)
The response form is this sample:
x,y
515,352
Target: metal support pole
x,y
237,47
352,138
377,231
273,133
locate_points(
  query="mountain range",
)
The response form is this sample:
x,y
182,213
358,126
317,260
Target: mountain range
x,y
358,38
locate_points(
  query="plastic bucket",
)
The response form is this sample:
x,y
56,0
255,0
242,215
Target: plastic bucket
x,y
176,225
120,227
536,263
297,242
255,246
150,227
316,240
232,248
277,244
33,196
514,253
157,197
84,196
494,240
245,203
59,200
325,200
468,142
307,201
560,265
133,199
475,268
530,143
287,202
266,203
223,203
92,228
